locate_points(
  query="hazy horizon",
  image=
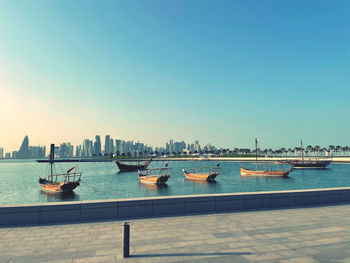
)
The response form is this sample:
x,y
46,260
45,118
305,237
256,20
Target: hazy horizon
x,y
218,72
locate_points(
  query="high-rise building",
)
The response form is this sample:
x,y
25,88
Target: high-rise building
x,y
23,152
66,150
1,153
7,155
111,146
37,151
122,147
97,145
197,147
78,151
117,146
87,148
107,143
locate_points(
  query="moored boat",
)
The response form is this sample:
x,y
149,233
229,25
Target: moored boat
x,y
202,173
266,172
311,163
155,176
269,169
128,166
60,182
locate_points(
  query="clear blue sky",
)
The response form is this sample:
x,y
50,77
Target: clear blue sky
x,y
222,72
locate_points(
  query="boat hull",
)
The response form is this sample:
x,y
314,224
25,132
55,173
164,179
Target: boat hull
x,y
131,167
60,187
275,173
154,179
201,176
310,165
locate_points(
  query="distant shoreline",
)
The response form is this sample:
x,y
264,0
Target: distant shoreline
x,y
219,159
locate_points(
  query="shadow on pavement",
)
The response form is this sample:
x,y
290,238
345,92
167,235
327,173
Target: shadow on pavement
x,y
190,254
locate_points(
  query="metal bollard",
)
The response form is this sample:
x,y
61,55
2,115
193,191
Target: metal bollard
x,y
126,240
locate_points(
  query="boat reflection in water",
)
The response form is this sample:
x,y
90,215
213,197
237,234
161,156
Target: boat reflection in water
x,y
56,197
154,189
203,182
160,187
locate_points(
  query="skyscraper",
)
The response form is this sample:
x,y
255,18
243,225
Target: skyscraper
x,y
24,152
87,148
117,147
1,153
107,144
97,145
78,151
111,146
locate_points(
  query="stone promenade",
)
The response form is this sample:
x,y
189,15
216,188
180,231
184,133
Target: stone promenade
x,y
316,234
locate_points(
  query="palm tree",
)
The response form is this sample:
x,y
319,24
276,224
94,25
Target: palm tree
x,y
324,149
283,150
296,149
309,148
338,149
317,149
331,148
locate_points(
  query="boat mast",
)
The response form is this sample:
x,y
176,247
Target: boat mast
x,y
256,153
302,150
52,157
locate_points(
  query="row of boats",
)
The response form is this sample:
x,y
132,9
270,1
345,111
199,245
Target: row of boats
x,y
209,173
71,179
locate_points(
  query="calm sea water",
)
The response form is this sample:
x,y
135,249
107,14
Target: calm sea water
x,y
19,181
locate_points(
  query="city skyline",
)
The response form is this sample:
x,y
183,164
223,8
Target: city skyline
x,y
115,147
222,73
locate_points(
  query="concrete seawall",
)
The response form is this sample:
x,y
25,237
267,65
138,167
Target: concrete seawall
x,y
68,212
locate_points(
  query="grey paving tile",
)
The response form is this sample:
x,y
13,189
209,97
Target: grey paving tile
x,y
288,235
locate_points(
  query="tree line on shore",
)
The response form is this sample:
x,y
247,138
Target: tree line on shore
x,y
309,150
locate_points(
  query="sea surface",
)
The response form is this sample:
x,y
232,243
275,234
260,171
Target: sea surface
x,y
101,180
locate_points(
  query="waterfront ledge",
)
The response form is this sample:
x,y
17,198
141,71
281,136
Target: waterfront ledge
x,y
117,209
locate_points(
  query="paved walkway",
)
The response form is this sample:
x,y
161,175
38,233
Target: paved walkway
x,y
319,234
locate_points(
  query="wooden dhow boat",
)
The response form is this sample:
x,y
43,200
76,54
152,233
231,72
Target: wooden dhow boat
x,y
156,176
202,173
269,171
128,166
314,163
60,182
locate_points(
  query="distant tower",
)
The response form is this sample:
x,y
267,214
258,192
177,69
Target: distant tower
x,y
118,146
87,148
24,152
107,144
111,146
97,145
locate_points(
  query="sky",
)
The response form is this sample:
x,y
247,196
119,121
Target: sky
x,y
222,72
